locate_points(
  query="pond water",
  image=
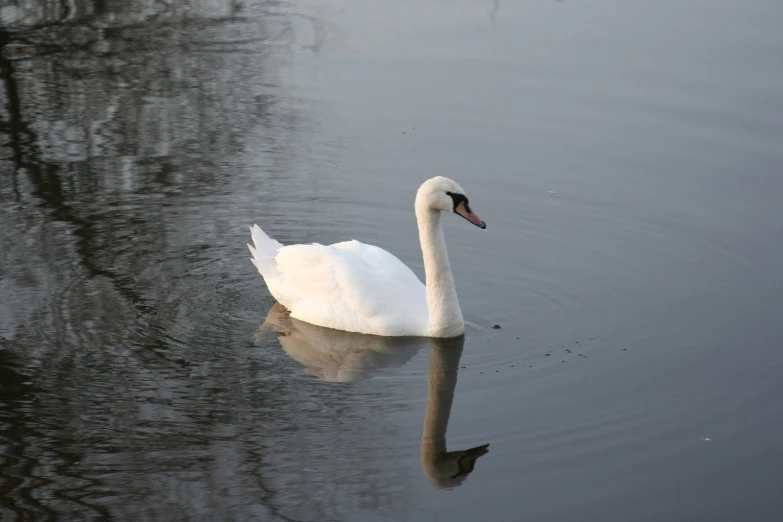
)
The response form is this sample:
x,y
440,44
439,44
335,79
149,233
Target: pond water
x,y
626,157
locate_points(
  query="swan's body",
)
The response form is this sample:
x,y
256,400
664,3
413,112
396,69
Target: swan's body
x,y
347,286
362,288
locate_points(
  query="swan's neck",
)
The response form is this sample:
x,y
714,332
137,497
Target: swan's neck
x,y
445,315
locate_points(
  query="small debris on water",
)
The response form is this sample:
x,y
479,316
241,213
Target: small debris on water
x,y
576,342
495,326
569,350
517,338
706,439
625,349
463,367
482,373
497,371
511,365
547,354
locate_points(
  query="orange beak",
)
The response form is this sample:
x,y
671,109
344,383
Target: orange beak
x,y
464,210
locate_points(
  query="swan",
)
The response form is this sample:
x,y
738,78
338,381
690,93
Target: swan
x,y
360,288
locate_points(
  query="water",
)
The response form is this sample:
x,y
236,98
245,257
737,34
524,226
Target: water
x,y
626,157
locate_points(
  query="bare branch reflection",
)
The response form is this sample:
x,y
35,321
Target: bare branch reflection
x,y
135,140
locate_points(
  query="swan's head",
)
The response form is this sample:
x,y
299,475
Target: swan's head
x,y
441,193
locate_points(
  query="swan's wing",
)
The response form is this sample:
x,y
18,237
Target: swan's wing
x,y
350,286
377,259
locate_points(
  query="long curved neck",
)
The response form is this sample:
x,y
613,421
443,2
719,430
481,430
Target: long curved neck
x,y
445,314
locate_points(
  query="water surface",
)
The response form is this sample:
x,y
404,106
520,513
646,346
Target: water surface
x,y
625,156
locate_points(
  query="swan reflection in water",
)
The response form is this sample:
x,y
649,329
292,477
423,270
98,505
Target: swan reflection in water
x,y
444,469
338,356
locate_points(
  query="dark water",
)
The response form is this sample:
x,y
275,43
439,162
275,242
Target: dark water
x,y
627,157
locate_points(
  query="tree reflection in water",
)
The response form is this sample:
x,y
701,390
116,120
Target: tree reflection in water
x,y
137,141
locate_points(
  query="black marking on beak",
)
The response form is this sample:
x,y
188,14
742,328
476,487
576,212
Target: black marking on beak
x,y
461,199
457,199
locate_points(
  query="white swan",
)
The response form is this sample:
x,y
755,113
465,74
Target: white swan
x,y
361,288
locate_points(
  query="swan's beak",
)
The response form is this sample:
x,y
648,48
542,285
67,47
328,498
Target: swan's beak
x,y
464,210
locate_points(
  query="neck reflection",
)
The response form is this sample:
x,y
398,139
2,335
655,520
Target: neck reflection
x,y
444,469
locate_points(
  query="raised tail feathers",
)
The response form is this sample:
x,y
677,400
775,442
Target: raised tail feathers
x,y
264,250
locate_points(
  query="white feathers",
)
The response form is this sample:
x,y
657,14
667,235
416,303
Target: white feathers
x,y
264,252
347,286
